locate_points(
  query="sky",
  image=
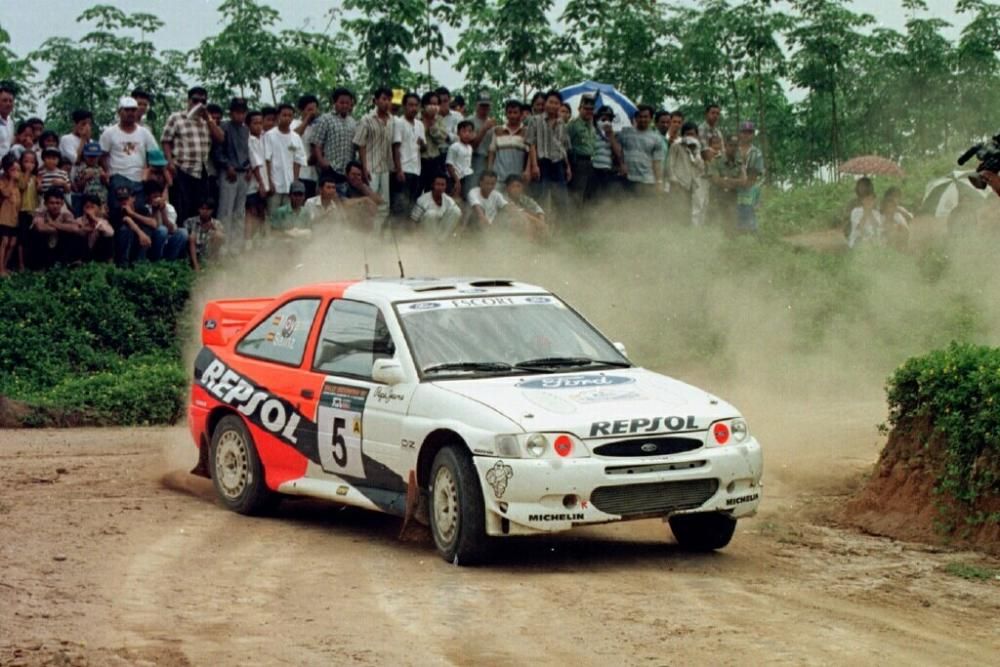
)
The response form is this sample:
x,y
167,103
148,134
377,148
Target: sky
x,y
190,21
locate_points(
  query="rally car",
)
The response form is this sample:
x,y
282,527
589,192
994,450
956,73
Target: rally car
x,y
482,407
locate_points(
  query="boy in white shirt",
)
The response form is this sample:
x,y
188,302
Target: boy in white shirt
x,y
259,185
459,162
436,211
486,201
285,155
408,138
866,222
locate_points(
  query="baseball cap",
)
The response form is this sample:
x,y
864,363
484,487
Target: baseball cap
x,y
156,158
484,98
128,103
747,126
297,188
92,149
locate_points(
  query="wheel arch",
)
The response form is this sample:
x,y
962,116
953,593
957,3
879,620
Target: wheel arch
x,y
434,442
202,468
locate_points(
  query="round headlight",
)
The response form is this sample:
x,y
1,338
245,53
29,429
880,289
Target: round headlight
x,y
740,430
536,444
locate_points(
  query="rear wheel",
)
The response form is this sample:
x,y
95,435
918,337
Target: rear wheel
x,y
237,473
457,512
703,531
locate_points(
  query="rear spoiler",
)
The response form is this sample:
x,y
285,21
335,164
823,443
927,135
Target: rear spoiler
x,y
224,319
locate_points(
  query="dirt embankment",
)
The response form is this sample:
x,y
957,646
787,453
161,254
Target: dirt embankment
x,y
900,499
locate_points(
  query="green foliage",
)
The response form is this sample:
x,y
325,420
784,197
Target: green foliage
x,y
958,390
97,339
971,572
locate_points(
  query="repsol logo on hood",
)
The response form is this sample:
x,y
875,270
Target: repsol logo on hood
x,y
261,407
643,425
575,382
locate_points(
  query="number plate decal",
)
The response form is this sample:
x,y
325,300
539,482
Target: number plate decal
x,y
339,416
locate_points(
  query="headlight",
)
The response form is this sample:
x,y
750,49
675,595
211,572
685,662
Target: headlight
x,y
739,429
507,446
536,445
729,431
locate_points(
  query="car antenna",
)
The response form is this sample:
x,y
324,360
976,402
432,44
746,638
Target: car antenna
x,y
364,252
399,259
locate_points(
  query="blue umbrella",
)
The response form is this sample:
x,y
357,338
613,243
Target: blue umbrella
x,y
606,96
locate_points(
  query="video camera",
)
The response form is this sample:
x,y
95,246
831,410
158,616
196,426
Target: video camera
x,y
988,154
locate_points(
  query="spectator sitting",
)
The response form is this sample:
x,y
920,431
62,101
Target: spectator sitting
x,y
325,208
485,201
523,213
161,210
97,231
52,233
436,211
10,206
293,219
205,235
866,223
360,200
138,235
50,175
459,162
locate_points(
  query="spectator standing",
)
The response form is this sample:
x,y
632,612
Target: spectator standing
x,y
50,175
374,138
701,198
482,124
143,99
187,142
640,150
10,207
257,189
24,140
435,211
583,145
125,146
548,144
232,161
895,219
305,127
408,140
7,94
709,129
332,141
676,123
508,152
725,173
662,123
285,156
90,178
27,183
686,169
450,118
866,223
748,194
71,145
603,162
459,162
435,148
565,113
269,118
205,235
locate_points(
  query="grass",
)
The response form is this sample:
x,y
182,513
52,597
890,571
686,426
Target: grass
x,y
971,572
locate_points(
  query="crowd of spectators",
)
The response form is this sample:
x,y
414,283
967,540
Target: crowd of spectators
x,y
218,182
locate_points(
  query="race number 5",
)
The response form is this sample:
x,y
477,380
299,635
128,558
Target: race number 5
x,y
339,450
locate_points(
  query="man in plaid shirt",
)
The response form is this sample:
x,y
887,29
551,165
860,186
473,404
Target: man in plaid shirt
x,y
187,142
333,136
374,138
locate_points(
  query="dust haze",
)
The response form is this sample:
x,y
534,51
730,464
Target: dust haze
x,y
800,341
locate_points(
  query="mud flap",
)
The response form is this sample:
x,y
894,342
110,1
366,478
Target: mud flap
x,y
415,520
201,468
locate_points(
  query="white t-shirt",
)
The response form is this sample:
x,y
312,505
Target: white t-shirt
x,y
491,205
460,157
257,160
331,214
306,173
127,150
864,230
69,144
426,209
6,134
283,150
408,135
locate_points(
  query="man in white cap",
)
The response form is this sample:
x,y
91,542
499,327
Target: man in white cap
x,y
125,146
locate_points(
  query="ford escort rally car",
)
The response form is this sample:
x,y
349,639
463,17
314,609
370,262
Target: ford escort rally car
x,y
481,407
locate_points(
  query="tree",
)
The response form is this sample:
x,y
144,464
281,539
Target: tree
x,y
387,31
977,75
18,71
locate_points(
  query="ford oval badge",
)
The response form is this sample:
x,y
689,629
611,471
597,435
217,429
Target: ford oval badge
x,y
648,447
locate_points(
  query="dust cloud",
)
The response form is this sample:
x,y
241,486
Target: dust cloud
x,y
801,341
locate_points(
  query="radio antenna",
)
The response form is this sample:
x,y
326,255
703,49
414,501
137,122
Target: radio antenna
x,y
364,252
399,259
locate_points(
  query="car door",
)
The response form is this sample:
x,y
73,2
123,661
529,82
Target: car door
x,y
359,421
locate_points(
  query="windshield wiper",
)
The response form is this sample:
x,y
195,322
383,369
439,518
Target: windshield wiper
x,y
470,366
552,362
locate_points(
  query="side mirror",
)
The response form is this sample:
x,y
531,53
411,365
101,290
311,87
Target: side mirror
x,y
387,371
621,348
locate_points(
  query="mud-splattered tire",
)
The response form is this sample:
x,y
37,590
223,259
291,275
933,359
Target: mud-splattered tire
x,y
704,531
237,473
457,513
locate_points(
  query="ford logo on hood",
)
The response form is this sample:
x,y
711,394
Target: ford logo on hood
x,y
575,382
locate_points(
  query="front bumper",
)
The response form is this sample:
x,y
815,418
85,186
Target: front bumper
x,y
527,496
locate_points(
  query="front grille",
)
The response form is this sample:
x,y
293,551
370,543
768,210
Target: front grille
x,y
648,446
658,498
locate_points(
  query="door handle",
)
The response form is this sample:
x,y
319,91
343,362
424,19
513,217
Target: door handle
x,y
307,393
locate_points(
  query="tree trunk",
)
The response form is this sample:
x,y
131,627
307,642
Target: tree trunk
x,y
834,138
762,118
270,84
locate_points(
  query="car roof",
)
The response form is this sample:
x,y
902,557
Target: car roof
x,y
395,290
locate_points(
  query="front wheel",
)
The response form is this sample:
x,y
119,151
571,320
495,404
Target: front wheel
x,y
703,531
457,512
237,473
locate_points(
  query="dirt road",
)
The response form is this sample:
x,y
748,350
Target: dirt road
x,y
112,555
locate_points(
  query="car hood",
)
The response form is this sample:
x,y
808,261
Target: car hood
x,y
597,404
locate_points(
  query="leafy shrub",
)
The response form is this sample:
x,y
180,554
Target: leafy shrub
x,y
958,390
96,339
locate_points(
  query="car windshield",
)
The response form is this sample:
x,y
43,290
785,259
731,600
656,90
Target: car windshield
x,y
517,334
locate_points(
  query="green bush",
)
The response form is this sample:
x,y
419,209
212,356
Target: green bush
x,y
958,390
97,340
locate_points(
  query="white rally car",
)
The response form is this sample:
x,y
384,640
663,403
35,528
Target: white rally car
x,y
486,408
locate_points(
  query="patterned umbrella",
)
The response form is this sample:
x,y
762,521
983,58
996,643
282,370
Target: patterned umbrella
x,y
871,164
607,96
951,193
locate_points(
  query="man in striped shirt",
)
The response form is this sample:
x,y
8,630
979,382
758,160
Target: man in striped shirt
x,y
374,138
508,154
549,153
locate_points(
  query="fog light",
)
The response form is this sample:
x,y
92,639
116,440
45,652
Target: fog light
x,y
563,445
570,501
721,433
